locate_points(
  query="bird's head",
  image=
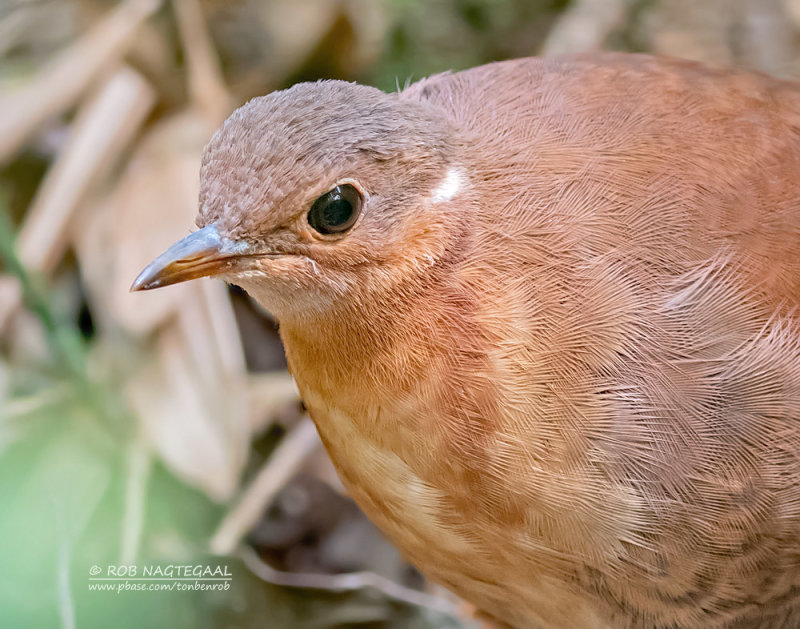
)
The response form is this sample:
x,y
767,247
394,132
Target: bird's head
x,y
316,194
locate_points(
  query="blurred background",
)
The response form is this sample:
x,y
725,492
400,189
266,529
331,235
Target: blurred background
x,y
161,429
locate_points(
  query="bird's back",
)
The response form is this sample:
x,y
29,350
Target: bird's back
x,y
635,268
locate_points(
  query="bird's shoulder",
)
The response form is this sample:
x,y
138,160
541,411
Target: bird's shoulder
x,y
662,160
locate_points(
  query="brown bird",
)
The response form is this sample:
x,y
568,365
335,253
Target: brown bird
x,y
544,315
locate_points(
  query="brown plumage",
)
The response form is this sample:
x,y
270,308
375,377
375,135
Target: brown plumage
x,y
557,357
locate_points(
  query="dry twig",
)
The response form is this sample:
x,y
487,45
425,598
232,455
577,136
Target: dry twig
x,y
59,84
285,461
346,582
106,124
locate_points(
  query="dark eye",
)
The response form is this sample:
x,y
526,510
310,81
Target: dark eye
x,y
336,211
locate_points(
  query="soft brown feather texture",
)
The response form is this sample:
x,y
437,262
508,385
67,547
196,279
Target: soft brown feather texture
x,y
557,360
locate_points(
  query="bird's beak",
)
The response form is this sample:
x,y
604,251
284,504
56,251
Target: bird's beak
x,y
201,254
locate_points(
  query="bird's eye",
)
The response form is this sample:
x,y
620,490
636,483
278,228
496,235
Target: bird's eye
x,y
336,211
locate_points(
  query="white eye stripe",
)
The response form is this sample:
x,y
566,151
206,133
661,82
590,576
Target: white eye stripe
x,y
452,183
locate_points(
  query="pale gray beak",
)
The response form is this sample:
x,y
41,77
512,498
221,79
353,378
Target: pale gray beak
x,y
201,254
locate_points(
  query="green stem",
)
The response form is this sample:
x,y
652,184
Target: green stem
x,y
65,341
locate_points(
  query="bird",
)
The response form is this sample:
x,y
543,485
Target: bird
x,y
544,315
